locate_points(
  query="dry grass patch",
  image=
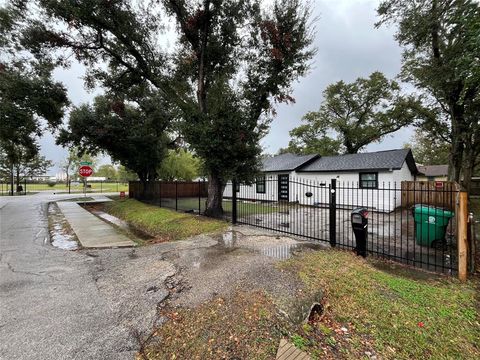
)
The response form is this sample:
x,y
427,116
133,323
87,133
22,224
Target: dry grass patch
x,y
243,326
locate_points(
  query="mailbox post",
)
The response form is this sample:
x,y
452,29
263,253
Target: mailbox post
x,y
359,218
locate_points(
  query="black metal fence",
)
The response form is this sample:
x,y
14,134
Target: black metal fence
x,y
30,187
321,211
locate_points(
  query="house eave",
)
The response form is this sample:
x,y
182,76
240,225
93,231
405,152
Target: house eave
x,y
348,170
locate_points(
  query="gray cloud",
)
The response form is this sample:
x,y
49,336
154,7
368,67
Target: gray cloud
x,y
348,47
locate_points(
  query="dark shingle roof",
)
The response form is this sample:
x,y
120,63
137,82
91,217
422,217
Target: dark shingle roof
x,y
381,160
286,162
433,170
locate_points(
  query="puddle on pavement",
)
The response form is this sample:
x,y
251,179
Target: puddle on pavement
x,y
278,247
234,243
61,235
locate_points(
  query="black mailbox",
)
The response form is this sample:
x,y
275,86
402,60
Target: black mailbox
x,y
360,228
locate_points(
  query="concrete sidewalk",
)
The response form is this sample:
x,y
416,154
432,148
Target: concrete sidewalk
x,y
91,231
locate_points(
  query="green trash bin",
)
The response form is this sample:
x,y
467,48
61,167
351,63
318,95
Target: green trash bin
x,y
430,224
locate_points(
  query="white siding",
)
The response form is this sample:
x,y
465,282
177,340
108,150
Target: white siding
x,y
250,191
386,198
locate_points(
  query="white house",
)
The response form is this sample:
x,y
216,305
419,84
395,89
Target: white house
x,y
366,179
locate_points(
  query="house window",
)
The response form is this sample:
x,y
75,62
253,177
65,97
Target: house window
x,y
261,185
368,180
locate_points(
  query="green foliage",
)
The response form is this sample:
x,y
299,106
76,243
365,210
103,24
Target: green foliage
x,y
358,113
386,303
233,61
311,139
68,165
299,341
162,223
108,171
179,165
125,175
270,48
22,162
29,98
132,134
428,150
440,57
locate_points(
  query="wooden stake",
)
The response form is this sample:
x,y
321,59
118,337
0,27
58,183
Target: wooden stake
x,y
462,243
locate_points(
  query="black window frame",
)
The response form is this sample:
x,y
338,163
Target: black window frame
x,y
261,181
237,187
360,181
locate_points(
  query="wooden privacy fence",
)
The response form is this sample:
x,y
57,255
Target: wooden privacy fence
x,y
168,189
435,193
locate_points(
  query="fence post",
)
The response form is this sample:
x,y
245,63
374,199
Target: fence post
x,y
234,201
176,195
160,191
11,181
25,186
471,242
199,197
462,228
101,186
333,212
69,185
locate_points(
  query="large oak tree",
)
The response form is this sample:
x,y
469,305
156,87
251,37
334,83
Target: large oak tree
x,y
232,60
30,100
440,57
132,133
353,115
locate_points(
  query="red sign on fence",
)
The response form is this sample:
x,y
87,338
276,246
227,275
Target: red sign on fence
x,y
439,184
85,171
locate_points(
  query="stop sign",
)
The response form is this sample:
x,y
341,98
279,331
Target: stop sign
x,y
85,171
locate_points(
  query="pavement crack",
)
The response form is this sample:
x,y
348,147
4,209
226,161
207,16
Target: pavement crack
x,y
13,270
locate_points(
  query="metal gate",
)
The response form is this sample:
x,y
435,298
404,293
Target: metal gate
x,y
321,211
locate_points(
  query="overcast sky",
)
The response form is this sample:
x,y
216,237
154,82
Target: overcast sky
x,y
348,47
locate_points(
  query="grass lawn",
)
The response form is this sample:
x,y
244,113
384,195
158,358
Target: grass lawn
x,y
400,313
244,208
371,308
95,187
250,208
162,222
77,199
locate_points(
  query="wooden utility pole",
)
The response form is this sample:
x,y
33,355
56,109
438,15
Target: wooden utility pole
x,y
462,229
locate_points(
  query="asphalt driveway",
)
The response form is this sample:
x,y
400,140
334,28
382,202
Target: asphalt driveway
x,y
100,304
57,304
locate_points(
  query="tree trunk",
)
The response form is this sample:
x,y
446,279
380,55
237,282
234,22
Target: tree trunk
x,y
17,179
215,196
143,180
469,161
12,184
458,143
467,176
